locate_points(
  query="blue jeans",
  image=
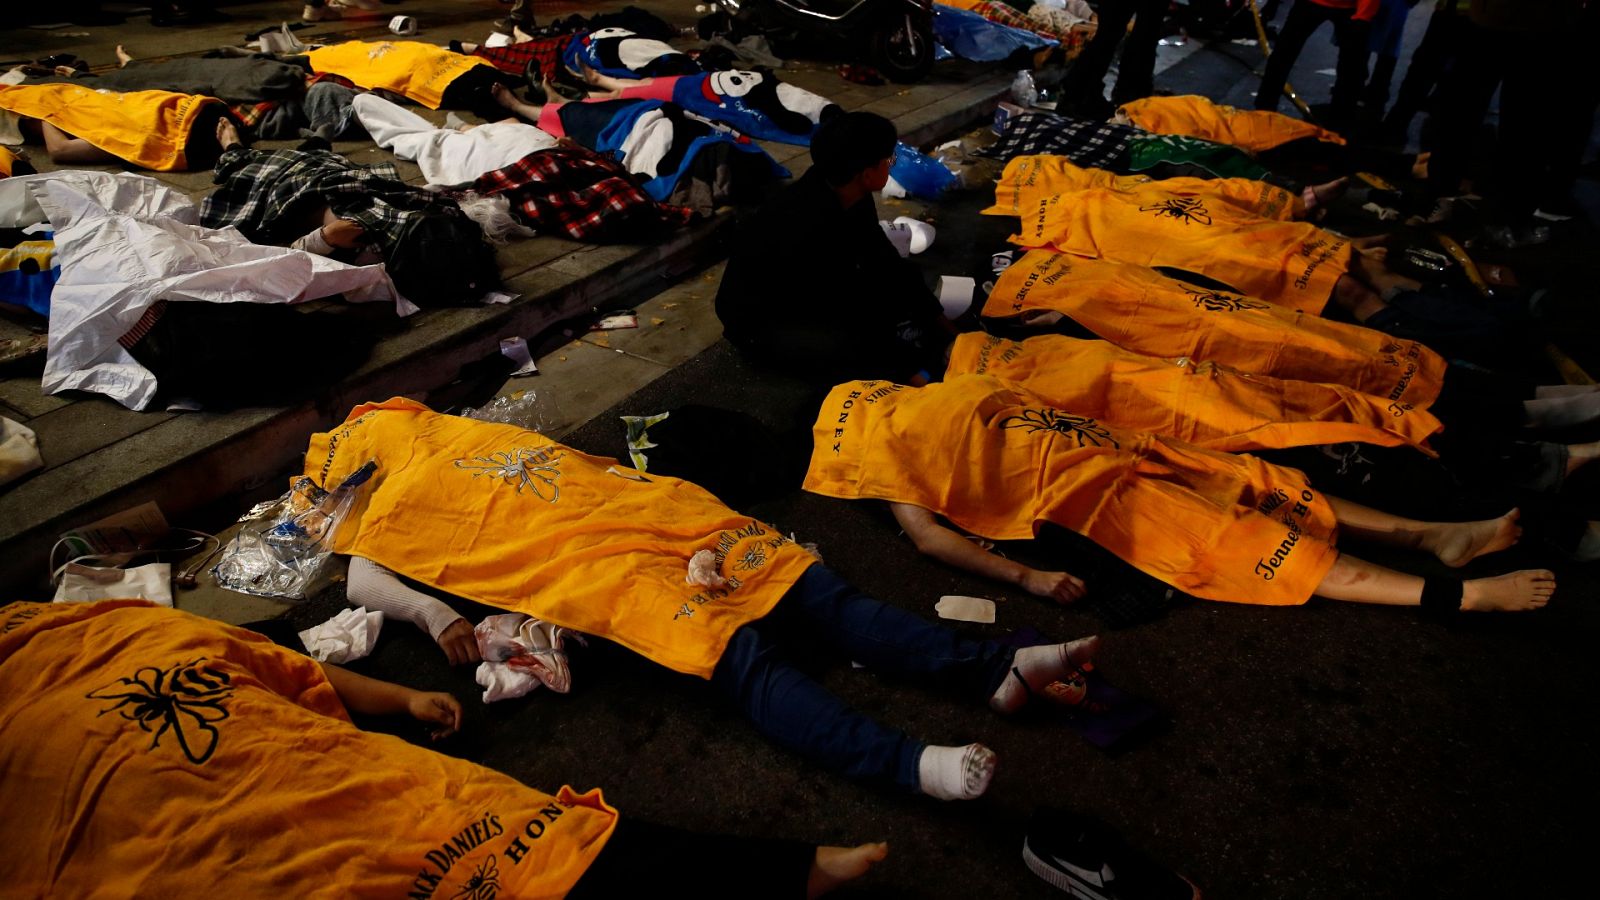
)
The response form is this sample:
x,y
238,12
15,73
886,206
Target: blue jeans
x,y
797,713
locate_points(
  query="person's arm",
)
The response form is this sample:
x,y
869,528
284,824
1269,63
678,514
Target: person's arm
x,y
374,587
339,234
948,546
372,697
64,148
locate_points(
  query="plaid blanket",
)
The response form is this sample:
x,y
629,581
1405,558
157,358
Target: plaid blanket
x,y
267,194
1087,143
542,54
578,193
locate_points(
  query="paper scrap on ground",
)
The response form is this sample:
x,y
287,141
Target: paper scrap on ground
x,y
965,609
347,637
498,297
516,350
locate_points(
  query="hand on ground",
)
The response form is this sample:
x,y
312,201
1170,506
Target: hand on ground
x,y
438,709
344,233
459,643
1057,586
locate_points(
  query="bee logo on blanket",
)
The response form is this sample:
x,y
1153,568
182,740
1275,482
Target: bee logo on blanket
x,y
1086,430
185,700
1184,209
1216,301
534,468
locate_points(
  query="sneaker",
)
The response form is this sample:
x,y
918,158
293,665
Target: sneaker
x,y
1088,860
319,14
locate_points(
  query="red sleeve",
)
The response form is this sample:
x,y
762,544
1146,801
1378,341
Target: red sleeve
x,y
1366,9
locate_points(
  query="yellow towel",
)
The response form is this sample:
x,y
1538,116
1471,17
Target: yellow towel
x,y
1029,179
1194,116
415,70
146,128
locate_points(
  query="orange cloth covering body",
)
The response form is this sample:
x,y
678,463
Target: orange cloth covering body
x,y
148,752
146,128
1202,403
8,163
1291,264
1251,130
415,70
1141,310
512,519
998,462
1029,179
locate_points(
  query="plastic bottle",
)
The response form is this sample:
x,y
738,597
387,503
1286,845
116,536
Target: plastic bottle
x,y
1023,90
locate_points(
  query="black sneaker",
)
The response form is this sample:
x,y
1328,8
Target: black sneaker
x,y
1086,858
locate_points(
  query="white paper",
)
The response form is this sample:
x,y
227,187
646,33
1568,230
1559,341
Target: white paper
x,y
516,350
965,609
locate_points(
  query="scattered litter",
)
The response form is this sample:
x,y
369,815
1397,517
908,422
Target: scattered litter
x,y
516,350
965,609
1328,72
657,321
639,437
669,306
624,319
346,637
1245,42
703,571
405,26
603,342
498,297
520,408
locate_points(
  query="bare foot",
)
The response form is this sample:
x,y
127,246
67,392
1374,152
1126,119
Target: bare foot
x,y
833,866
1562,411
1512,592
507,98
227,135
1034,667
1327,193
1041,318
1580,455
122,57
1549,391
1458,543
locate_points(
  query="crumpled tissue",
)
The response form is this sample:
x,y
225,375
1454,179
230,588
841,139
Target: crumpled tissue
x,y
347,637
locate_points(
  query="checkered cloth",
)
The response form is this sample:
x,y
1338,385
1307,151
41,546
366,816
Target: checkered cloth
x,y
542,53
268,195
1086,142
579,193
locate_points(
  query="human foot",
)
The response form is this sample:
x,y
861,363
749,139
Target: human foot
x,y
227,135
955,773
1034,667
508,99
1512,592
1458,543
1548,391
122,57
1562,411
1317,195
833,866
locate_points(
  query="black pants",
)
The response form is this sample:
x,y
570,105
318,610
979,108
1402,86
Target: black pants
x,y
1136,74
472,91
1433,57
642,859
1304,19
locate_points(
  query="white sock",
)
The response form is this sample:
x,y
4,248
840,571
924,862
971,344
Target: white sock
x,y
955,773
1037,667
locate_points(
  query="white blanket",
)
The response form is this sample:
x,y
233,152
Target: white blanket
x,y
447,156
125,241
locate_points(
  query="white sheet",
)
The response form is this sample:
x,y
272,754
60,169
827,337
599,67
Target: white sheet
x,y
124,241
447,156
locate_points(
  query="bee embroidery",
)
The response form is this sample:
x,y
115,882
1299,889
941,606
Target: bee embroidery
x,y
484,883
185,700
753,559
1085,429
525,467
1184,209
1214,301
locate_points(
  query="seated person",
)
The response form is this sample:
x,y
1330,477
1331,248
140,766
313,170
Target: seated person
x,y
156,130
1195,116
432,76
813,287
186,751
511,519
321,202
1217,526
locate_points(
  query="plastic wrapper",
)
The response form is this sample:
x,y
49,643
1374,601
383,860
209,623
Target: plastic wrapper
x,y
521,409
284,547
919,174
971,36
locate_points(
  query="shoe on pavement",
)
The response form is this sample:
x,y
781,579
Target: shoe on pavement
x,y
1090,861
319,14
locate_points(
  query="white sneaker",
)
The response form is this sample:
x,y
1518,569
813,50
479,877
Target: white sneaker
x,y
318,13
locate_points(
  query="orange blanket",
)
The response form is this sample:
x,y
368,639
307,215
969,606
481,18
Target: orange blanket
x,y
998,461
146,128
1205,404
1029,179
1291,264
1195,116
1140,310
415,70
512,519
148,752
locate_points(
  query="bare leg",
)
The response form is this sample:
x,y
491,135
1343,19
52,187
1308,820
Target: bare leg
x,y
1454,543
833,866
122,57
1355,298
227,135
1580,455
519,108
1562,412
1369,267
1359,581
609,82
64,148
1550,391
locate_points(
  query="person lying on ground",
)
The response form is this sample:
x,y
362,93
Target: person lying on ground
x,y
184,750
509,518
1328,430
1214,525
233,80
1253,131
814,288
432,76
321,202
157,130
755,102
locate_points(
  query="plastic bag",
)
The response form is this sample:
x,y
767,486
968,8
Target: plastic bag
x,y
919,174
284,547
971,36
521,409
